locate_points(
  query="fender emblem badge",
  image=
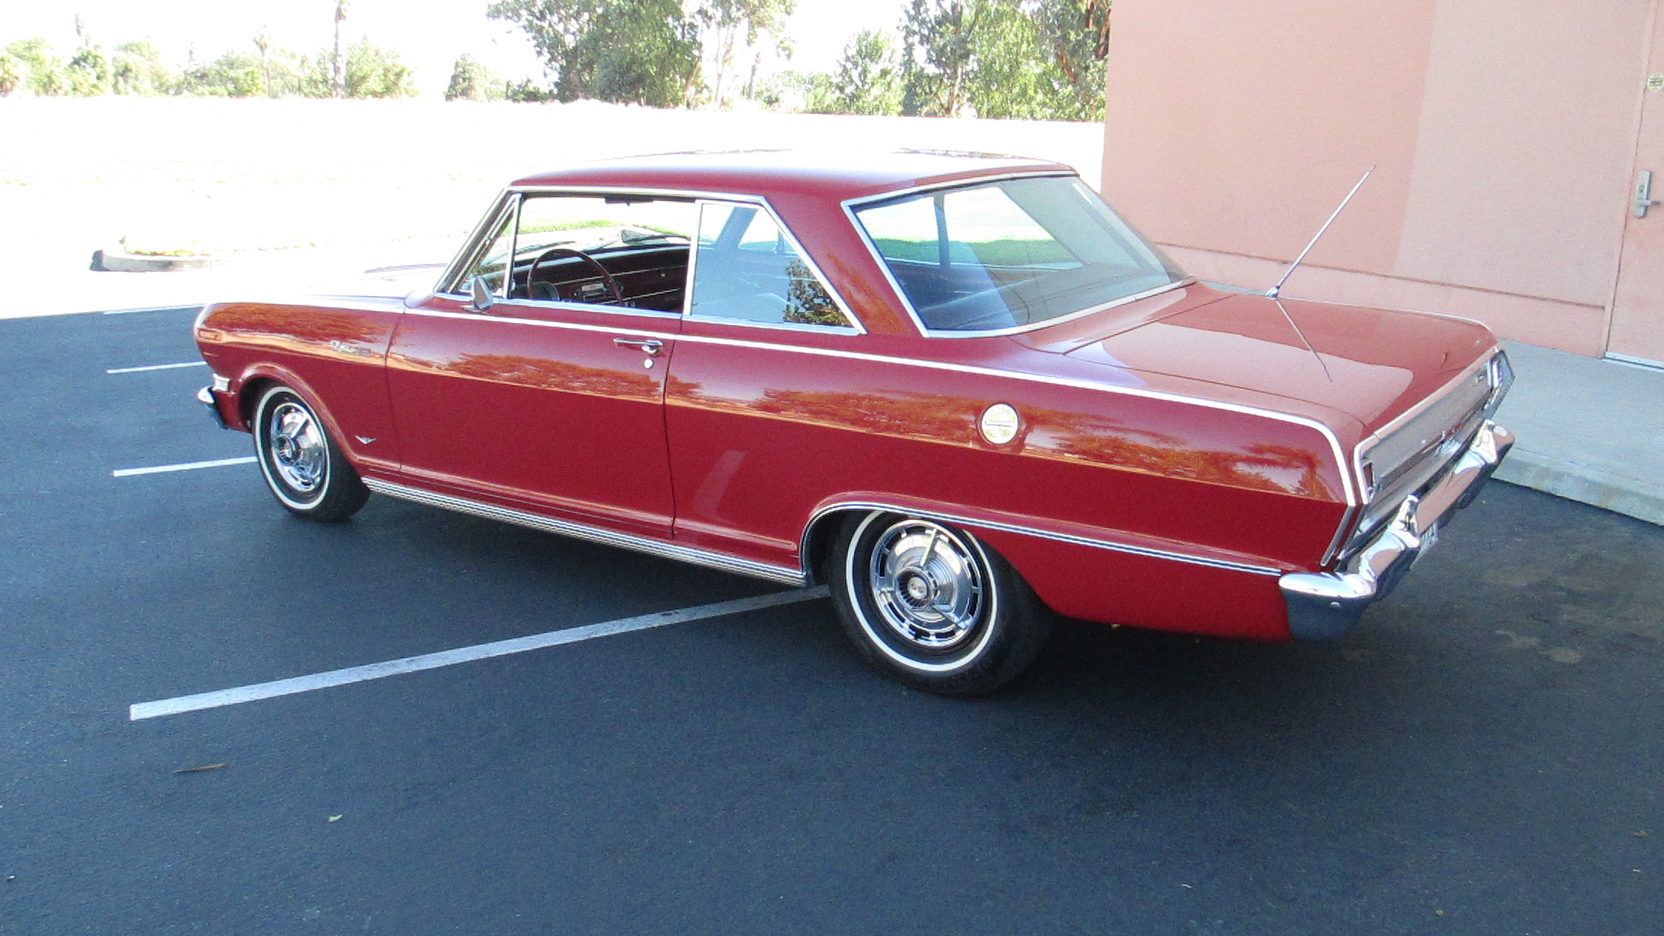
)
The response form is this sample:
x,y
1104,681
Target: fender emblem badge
x,y
364,440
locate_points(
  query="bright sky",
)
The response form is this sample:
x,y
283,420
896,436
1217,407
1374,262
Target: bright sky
x,y
428,36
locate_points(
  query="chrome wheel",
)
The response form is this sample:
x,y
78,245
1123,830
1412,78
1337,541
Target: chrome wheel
x,y
299,454
926,584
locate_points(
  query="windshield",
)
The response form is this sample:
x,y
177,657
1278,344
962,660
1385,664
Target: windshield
x,y
1011,254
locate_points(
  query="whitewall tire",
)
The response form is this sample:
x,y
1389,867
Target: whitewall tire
x,y
933,606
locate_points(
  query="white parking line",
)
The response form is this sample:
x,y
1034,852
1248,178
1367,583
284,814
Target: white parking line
x,y
151,367
485,651
187,466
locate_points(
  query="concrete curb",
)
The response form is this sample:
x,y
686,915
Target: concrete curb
x,y
114,261
1584,484
1589,430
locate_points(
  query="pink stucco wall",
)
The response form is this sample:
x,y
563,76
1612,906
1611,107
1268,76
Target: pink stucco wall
x,y
1504,132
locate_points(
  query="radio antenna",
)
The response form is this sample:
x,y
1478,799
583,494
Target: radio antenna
x,y
1277,290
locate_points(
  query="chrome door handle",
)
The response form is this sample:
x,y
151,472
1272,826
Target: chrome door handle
x,y
651,346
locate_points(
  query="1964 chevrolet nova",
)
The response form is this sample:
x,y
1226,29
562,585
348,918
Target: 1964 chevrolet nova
x,y
959,390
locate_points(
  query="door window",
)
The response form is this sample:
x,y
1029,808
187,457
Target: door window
x,y
747,270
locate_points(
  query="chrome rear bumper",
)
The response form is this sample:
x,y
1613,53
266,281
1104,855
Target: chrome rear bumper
x,y
1326,605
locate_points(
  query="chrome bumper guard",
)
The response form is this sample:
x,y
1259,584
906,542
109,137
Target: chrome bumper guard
x,y
1326,605
205,396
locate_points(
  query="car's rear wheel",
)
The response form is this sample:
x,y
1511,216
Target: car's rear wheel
x,y
933,606
302,466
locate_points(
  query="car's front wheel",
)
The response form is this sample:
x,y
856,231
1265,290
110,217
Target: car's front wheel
x,y
931,605
303,467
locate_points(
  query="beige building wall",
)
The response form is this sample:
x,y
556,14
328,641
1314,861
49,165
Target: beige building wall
x,y
1503,130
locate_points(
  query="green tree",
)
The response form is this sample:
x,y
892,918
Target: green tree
x,y
1038,59
10,74
726,20
1077,33
1011,76
137,68
43,72
88,72
624,51
867,81
369,71
470,81
818,95
231,75
527,91
375,72
936,40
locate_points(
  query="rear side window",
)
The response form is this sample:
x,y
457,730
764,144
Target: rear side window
x,y
745,269
1007,255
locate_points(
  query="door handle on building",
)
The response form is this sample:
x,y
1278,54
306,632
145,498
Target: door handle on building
x,y
1643,194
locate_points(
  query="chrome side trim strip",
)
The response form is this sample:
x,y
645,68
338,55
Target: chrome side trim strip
x,y
714,560
1146,552
1347,483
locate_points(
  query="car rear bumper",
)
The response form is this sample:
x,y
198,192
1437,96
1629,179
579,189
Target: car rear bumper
x,y
1326,605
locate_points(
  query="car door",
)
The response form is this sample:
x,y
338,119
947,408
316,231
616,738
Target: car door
x,y
551,402
762,407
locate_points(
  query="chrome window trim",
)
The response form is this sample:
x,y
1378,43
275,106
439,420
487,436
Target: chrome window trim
x,y
791,240
960,182
705,557
1093,542
697,196
1348,484
447,284
851,204
514,253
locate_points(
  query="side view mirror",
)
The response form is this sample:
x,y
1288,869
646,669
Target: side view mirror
x,y
480,294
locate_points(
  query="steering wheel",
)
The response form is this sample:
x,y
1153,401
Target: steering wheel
x,y
554,252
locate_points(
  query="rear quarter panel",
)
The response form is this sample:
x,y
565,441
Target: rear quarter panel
x,y
768,431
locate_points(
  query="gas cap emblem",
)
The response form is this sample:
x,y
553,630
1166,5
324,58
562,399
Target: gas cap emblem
x,y
999,423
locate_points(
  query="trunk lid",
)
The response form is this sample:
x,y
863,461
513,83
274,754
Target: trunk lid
x,y
1371,364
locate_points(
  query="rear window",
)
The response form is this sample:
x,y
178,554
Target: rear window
x,y
1011,254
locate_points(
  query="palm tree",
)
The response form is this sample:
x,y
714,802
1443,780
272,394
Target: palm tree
x,y
263,42
335,82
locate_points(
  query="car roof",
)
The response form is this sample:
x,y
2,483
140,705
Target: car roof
x,y
828,173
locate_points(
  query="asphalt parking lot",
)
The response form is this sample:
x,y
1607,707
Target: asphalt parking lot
x,y
1485,756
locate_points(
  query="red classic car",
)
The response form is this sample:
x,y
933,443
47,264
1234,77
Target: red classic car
x,y
958,389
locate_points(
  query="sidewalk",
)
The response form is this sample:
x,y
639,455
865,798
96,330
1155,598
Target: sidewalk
x,y
1589,430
